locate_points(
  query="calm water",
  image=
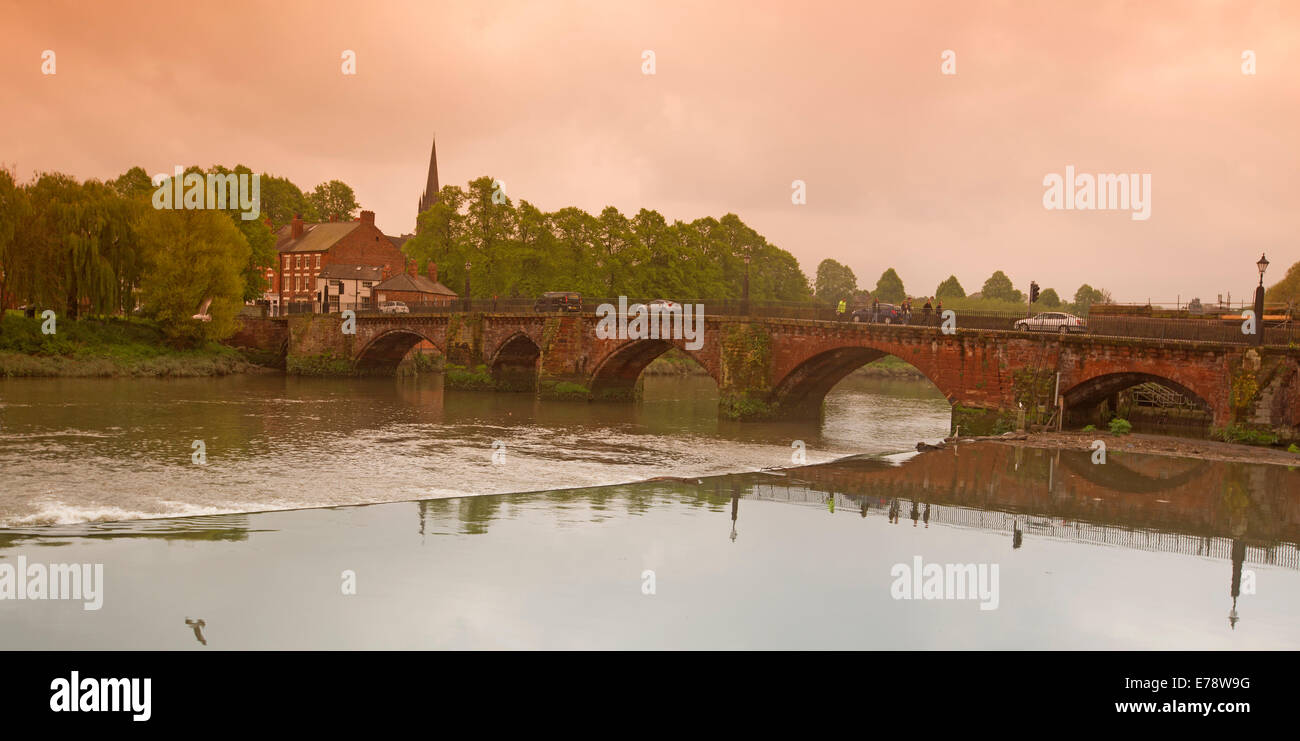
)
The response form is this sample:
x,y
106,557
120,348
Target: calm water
x,y
1142,552
1151,553
76,450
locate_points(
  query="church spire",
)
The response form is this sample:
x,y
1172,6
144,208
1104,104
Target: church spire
x,y
430,195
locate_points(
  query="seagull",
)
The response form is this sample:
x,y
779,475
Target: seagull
x,y
198,626
203,315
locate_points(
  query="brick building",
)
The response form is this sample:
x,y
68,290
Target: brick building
x,y
304,250
413,289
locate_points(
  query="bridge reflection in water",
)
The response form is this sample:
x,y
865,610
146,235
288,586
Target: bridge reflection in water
x,y
1240,513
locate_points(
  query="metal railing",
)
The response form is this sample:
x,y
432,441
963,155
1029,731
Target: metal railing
x,y
1191,329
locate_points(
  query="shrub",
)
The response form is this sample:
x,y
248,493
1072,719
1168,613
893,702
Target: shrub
x,y
1120,426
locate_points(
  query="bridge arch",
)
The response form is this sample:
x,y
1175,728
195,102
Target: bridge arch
x,y
1091,392
514,364
616,374
383,353
801,392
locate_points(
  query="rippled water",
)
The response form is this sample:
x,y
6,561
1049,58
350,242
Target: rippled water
x,y
77,450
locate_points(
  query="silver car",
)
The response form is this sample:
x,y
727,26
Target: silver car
x,y
1053,321
394,307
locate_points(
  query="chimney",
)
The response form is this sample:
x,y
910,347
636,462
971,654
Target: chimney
x,y
433,271
296,228
412,268
388,273
368,217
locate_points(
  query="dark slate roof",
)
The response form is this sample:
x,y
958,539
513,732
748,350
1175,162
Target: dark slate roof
x,y
416,284
398,241
351,272
315,237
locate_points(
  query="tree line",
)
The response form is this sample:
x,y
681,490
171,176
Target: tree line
x,y
836,281
101,248
518,250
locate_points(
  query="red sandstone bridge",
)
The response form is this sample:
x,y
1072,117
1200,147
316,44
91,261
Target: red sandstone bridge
x,y
774,367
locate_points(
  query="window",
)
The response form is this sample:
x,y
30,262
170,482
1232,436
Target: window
x,y
297,261
318,261
286,262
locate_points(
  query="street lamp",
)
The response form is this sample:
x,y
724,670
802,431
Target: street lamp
x,y
467,267
1259,301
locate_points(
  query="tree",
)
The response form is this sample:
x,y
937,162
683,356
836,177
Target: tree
x,y
999,288
1049,299
835,282
890,287
1285,291
334,201
950,288
282,200
13,212
192,256
1086,296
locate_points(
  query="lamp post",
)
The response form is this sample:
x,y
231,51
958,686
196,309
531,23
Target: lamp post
x,y
744,301
1259,301
467,267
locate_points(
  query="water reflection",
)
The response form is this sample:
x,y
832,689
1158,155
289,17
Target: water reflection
x,y
1242,513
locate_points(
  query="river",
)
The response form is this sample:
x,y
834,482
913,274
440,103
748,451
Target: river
x,y
78,450
1054,549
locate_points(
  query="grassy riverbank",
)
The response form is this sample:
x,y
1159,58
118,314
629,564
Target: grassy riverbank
x,y
105,347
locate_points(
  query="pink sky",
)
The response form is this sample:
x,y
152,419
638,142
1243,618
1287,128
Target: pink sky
x,y
905,167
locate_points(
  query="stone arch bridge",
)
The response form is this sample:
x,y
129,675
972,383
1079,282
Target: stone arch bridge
x,y
783,368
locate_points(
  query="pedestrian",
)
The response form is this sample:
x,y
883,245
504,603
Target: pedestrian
x,y
925,310
875,309
840,309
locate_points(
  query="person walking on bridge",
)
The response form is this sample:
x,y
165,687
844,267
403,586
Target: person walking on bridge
x,y
840,309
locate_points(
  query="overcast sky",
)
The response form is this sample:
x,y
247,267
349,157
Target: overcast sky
x,y
905,167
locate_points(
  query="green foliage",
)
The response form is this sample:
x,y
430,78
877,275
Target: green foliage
x,y
890,287
1293,448
835,282
1090,428
334,200
192,257
1086,296
950,289
463,377
115,346
999,288
1049,299
516,250
1120,426
1287,290
324,364
1247,436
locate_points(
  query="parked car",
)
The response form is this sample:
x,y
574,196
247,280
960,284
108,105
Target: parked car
x,y
883,313
1052,321
558,301
394,307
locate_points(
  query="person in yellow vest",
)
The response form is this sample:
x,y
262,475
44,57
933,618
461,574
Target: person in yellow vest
x,y
840,309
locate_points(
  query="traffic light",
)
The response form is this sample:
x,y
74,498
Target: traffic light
x,y
1033,292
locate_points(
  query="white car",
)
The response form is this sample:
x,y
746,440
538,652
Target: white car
x,y
1052,321
394,307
